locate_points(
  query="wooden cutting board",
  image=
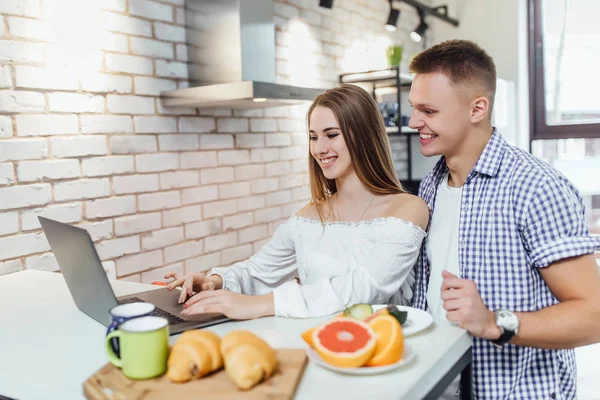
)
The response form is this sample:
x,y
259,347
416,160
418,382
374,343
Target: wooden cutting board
x,y
109,383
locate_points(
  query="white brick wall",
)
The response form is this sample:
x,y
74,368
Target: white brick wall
x,y
26,8
183,251
43,262
213,141
155,124
203,263
178,142
85,139
31,171
139,262
200,159
151,48
135,184
114,248
133,144
44,125
179,179
162,238
157,162
234,254
123,104
68,213
120,23
137,224
110,207
128,64
110,165
77,146
17,246
231,190
202,229
5,77
14,52
153,86
74,102
159,201
23,149
16,101
44,78
9,222
151,10
7,174
105,83
106,124
81,189
182,215
24,196
200,194
169,32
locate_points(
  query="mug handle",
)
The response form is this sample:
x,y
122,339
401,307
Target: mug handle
x,y
112,357
115,344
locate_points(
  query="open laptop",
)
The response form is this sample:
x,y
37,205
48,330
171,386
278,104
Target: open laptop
x,y
81,266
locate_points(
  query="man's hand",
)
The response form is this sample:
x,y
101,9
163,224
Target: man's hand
x,y
464,306
233,305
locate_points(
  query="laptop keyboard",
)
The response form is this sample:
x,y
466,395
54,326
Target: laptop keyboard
x,y
159,312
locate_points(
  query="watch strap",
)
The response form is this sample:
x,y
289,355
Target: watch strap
x,y
504,338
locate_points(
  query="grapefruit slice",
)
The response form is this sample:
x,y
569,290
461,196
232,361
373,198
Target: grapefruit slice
x,y
344,342
390,340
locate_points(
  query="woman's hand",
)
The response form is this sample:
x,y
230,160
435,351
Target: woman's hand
x,y
233,305
193,282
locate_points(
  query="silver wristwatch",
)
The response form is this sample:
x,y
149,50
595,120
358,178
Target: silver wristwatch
x,y
508,323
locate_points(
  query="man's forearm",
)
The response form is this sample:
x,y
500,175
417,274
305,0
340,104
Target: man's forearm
x,y
568,324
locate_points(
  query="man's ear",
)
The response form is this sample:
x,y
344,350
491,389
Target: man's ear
x,y
480,108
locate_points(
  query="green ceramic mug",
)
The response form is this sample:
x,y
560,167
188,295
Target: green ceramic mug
x,y
144,347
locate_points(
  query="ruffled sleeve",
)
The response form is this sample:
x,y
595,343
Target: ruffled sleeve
x,y
377,279
273,265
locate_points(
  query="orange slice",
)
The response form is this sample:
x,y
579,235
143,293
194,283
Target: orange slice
x,y
390,341
344,342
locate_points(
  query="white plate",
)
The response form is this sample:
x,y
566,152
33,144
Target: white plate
x,y
407,356
416,320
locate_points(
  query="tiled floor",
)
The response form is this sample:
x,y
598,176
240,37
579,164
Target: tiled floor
x,y
588,370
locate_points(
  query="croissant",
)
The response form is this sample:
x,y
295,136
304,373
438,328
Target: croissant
x,y
195,354
248,358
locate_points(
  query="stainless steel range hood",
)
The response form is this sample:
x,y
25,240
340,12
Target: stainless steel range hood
x,y
231,52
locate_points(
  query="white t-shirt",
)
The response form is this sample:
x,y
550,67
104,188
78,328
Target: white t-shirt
x,y
442,253
442,245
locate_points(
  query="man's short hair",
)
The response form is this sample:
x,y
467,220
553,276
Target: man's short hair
x,y
462,61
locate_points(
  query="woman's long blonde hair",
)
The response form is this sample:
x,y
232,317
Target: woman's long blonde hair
x,y
364,133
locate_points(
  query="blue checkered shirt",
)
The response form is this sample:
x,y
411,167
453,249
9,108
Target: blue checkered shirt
x,y
517,214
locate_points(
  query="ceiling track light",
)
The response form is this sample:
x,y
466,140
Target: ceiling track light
x,y
392,21
326,3
417,34
440,12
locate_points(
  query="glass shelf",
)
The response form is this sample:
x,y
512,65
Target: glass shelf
x,y
404,129
376,76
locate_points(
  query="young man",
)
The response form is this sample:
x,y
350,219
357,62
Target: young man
x,y
508,256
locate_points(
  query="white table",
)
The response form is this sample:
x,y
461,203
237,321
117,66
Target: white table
x,y
49,347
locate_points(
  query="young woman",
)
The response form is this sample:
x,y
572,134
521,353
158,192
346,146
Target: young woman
x,y
355,242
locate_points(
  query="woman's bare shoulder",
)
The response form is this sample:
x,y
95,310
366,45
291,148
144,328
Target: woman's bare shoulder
x,y
309,211
409,208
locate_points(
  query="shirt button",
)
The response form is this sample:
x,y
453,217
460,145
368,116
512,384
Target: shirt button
x,y
553,395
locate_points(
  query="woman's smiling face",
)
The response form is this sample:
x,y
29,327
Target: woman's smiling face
x,y
327,144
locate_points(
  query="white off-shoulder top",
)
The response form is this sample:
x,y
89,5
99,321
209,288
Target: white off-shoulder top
x,y
337,265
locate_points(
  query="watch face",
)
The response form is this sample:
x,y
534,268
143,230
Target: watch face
x,y
507,320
